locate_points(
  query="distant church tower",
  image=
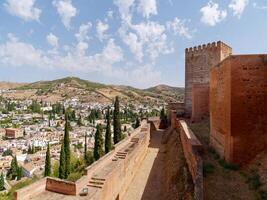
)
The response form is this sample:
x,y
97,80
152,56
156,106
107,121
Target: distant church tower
x,y
198,62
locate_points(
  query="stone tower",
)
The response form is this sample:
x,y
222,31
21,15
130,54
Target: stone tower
x,y
198,62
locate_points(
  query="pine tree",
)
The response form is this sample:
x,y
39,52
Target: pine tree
x,y
47,171
116,122
2,182
62,163
67,147
108,143
98,148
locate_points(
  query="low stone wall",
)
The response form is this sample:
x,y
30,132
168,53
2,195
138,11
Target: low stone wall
x,y
31,191
60,186
192,150
117,181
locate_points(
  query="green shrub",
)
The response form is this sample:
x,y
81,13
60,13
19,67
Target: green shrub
x,y
254,181
262,195
228,166
74,176
208,168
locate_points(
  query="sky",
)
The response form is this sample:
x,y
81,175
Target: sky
x,y
131,42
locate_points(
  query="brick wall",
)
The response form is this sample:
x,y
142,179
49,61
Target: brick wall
x,y
192,151
200,102
238,94
198,61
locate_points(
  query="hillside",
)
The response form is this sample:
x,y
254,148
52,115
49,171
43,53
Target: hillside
x,y
69,87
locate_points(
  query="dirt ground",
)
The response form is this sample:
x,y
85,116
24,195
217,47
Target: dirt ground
x,y
223,181
163,174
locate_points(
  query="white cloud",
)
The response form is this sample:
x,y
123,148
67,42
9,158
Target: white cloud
x,y
132,41
147,7
19,54
261,7
101,29
238,7
82,35
52,40
24,9
16,53
124,8
153,37
178,27
66,11
110,14
211,14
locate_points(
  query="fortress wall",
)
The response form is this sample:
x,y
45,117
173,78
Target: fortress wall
x,y
238,97
192,151
200,97
220,108
118,181
31,191
198,62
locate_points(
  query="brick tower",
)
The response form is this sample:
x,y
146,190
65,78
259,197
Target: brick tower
x,y
198,62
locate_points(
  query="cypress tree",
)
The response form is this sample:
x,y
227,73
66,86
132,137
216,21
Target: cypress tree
x,y
85,147
2,182
98,148
62,163
116,122
67,147
108,143
19,173
14,168
137,123
47,171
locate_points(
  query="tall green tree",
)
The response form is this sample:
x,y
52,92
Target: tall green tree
x,y
85,147
67,146
108,142
98,148
162,114
2,182
47,171
137,122
116,122
62,163
19,173
14,168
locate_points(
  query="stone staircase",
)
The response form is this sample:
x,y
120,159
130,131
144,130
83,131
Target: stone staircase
x,y
96,182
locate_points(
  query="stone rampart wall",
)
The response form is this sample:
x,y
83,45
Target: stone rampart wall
x,y
192,151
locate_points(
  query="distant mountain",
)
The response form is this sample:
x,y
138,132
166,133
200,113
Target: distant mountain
x,y
9,85
70,87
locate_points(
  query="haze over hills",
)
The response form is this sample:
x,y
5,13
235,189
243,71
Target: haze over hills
x,y
69,87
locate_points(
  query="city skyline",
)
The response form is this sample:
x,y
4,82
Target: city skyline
x,y
132,42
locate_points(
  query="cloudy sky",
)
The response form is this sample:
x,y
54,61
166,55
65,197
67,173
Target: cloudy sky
x,y
134,42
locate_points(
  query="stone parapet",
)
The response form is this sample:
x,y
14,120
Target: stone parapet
x,y
192,151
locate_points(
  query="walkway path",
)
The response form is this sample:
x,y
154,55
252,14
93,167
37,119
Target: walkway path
x,y
147,183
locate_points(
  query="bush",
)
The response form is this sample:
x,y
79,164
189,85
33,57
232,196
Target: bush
x,y
208,168
262,195
74,176
228,166
254,181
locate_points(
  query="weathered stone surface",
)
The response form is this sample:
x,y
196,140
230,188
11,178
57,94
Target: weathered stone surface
x,y
238,107
198,62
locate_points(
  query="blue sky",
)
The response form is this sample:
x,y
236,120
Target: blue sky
x,y
133,42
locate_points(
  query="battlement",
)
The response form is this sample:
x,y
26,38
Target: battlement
x,y
214,45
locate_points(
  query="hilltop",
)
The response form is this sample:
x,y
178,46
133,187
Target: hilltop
x,y
85,90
